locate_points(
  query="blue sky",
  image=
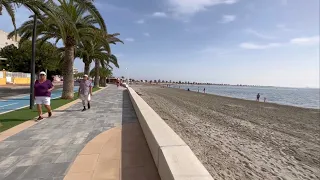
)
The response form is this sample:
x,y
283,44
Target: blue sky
x,y
261,42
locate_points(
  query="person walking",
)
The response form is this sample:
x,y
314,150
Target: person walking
x,y
258,97
118,82
204,90
85,92
42,94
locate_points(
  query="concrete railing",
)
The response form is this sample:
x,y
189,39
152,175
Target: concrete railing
x,y
172,156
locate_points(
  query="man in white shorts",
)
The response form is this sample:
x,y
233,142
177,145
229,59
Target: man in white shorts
x,y
85,92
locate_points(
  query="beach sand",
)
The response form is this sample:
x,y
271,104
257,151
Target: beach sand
x,y
240,139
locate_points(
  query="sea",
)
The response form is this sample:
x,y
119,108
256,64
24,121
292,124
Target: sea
x,y
300,97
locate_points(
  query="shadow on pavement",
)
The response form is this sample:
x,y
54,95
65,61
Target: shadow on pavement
x,y
136,160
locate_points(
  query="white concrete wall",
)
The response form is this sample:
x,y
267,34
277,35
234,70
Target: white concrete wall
x,y
172,156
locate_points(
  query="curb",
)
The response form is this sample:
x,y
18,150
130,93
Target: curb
x,y
172,156
16,129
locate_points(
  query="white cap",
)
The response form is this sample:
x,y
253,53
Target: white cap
x,y
43,73
85,75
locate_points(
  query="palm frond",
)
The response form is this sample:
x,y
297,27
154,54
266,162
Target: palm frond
x,y
10,9
90,7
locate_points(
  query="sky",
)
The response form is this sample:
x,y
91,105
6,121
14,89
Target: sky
x,y
256,42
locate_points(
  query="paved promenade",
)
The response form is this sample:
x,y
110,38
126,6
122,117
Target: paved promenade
x,y
105,142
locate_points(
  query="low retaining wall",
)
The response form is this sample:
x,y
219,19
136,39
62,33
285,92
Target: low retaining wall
x,y
3,81
21,81
172,156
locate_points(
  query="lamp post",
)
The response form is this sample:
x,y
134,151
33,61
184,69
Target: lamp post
x,y
32,79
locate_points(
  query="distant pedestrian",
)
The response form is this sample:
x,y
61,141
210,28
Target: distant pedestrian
x,y
265,99
118,82
198,89
204,90
42,94
188,89
85,92
258,97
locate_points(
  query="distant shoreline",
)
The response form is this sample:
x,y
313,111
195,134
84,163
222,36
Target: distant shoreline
x,y
184,87
235,85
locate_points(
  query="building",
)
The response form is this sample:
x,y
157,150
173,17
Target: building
x,y
4,41
75,71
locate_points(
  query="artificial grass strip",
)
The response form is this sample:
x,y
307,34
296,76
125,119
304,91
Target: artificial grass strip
x,y
14,118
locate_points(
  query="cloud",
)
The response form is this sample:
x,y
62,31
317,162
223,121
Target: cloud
x,y
214,51
104,6
228,18
283,27
258,34
129,39
146,34
249,45
118,55
197,29
141,21
159,14
190,7
314,40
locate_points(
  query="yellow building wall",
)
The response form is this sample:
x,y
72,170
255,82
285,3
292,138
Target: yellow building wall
x,y
3,80
21,81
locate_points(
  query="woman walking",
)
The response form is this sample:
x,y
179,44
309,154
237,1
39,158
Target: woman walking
x,y
42,93
85,92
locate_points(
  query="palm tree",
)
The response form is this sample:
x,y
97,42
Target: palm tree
x,y
34,5
70,21
104,73
9,6
97,48
105,63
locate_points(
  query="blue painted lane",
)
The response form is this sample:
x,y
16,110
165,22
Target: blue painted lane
x,y
18,102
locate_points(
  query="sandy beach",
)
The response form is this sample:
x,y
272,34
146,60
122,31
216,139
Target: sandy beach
x,y
240,139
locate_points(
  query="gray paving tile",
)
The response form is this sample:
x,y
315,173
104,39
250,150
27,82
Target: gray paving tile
x,y
67,156
58,178
7,151
28,161
46,171
9,161
16,174
46,150
32,151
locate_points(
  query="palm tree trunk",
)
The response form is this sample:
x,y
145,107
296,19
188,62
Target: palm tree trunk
x,y
101,81
104,82
86,68
96,75
67,73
